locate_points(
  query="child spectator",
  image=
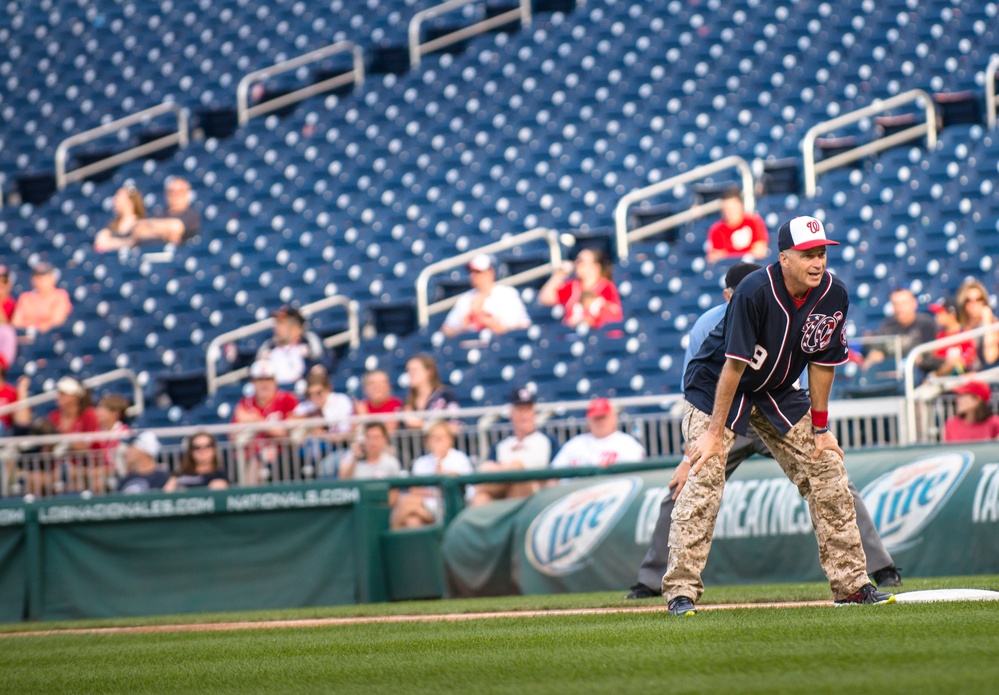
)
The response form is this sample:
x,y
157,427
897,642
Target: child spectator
x,y
422,506
378,398
974,420
594,276
200,467
958,358
46,306
111,417
737,233
128,210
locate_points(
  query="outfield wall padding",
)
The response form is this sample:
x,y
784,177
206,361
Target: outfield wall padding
x,y
13,568
936,508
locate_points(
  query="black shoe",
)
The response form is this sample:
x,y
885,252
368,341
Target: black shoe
x,y
642,591
682,606
867,594
888,576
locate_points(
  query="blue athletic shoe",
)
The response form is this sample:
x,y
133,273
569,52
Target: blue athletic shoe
x,y
867,594
682,606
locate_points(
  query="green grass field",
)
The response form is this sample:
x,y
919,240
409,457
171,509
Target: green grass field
x,y
945,647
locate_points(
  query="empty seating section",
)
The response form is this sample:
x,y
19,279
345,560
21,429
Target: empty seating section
x,y
546,126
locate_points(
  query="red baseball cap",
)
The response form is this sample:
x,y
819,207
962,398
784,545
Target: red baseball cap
x,y
975,388
599,407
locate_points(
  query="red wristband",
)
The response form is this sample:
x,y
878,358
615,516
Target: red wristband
x,y
820,418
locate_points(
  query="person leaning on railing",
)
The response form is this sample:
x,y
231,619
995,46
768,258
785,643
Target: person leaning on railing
x,y
201,466
423,506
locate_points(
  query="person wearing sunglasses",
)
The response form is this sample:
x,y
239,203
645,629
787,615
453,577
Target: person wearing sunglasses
x,y
201,466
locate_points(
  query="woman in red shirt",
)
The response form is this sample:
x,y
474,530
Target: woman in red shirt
x,y
590,297
974,420
74,414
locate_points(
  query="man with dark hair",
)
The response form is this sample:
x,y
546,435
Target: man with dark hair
x,y
911,327
291,350
177,224
738,233
650,574
781,319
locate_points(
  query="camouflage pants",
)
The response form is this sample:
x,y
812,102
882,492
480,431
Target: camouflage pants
x,y
822,483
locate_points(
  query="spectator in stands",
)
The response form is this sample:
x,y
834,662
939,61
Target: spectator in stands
x,y
177,224
7,303
128,210
378,398
111,418
201,466
594,275
291,349
526,449
957,358
426,391
267,404
737,233
9,393
8,336
974,420
75,414
45,306
140,459
369,457
487,305
421,506
974,311
912,328
603,445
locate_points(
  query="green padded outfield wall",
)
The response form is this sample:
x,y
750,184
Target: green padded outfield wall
x,y
937,510
13,571
281,547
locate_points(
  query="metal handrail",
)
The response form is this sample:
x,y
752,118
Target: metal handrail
x,y
213,353
137,408
913,394
244,112
625,237
178,139
417,49
424,309
811,169
990,91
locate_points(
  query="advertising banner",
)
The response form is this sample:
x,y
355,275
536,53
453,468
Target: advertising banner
x,y
12,564
936,508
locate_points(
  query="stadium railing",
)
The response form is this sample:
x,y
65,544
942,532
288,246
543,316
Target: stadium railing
x,y
46,464
811,169
178,138
244,112
624,237
417,48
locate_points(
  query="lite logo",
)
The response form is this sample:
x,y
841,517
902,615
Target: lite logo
x,y
564,534
903,501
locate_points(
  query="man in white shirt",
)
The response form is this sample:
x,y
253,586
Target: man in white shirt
x,y
525,450
487,305
603,445
291,349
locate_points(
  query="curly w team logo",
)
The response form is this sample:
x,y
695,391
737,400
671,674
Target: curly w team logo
x,y
563,535
905,500
818,331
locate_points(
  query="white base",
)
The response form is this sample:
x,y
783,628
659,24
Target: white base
x,y
947,595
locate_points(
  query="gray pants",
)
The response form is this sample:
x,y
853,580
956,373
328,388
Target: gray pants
x,y
654,565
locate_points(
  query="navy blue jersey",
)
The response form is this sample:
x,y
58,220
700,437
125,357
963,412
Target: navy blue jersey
x,y
776,340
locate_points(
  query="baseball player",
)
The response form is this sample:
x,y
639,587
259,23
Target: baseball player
x,y
879,562
780,320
